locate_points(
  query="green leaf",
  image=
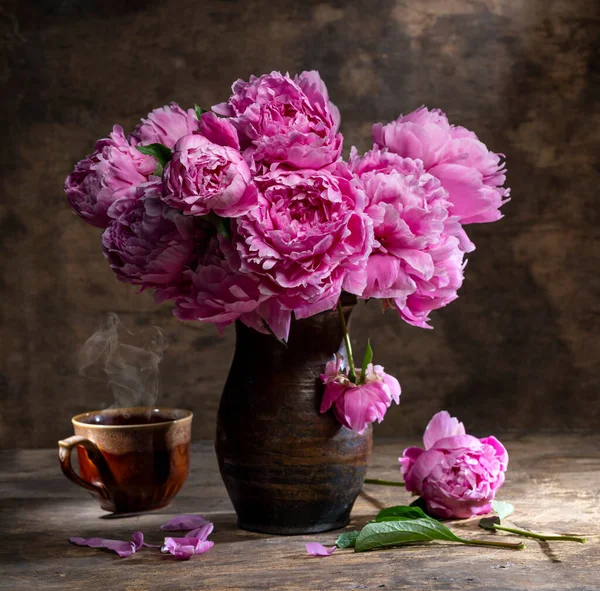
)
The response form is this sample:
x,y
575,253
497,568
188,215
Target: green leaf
x,y
366,360
222,225
502,509
159,151
420,503
396,533
401,512
347,539
199,111
489,522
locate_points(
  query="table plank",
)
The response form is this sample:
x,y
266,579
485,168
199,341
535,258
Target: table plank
x,y
553,481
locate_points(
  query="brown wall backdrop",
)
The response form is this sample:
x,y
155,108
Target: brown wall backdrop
x,y
518,350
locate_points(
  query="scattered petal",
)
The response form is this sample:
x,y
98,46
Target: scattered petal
x,y
201,533
185,548
123,549
316,549
184,522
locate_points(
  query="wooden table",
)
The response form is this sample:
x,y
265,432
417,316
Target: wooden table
x,y
553,481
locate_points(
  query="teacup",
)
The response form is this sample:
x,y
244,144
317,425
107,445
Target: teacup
x,y
130,459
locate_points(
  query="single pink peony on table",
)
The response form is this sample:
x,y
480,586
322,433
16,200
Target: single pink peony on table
x,y
457,475
203,176
149,243
417,259
472,175
306,241
164,125
357,405
284,120
106,175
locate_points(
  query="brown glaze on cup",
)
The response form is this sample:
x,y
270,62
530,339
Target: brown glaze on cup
x,y
130,459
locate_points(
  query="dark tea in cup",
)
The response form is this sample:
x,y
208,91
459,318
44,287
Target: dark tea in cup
x,y
130,459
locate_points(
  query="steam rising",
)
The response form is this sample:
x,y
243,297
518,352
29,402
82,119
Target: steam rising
x,y
131,371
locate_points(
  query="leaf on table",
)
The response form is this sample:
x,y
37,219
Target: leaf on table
x,y
401,512
502,509
347,539
420,503
396,533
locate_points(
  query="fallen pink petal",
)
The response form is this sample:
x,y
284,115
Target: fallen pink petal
x,y
316,549
184,523
201,533
185,548
123,549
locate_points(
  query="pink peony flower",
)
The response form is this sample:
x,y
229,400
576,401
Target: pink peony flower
x,y
203,176
357,405
219,131
106,175
472,175
417,259
304,238
285,120
149,243
164,126
456,474
213,291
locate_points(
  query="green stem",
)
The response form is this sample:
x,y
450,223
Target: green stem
x,y
518,546
383,482
347,342
529,534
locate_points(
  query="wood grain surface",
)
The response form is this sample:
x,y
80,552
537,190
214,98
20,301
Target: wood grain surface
x,y
518,350
554,483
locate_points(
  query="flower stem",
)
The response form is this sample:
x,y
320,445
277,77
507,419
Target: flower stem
x,y
550,537
347,342
383,482
518,546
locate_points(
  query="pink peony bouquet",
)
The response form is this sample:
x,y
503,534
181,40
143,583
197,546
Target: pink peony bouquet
x,y
249,212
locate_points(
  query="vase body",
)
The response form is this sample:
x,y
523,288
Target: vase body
x,y
288,468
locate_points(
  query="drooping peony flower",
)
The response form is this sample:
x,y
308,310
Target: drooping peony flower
x,y
456,474
149,243
214,291
106,175
472,175
357,405
203,176
417,259
285,120
304,238
164,125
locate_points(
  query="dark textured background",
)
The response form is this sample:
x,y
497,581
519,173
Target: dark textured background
x,y
518,350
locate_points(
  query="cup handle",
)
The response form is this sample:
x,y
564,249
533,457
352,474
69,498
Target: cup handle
x,y
65,447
